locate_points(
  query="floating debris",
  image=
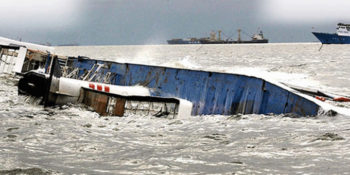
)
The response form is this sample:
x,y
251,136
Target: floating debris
x,y
28,171
11,129
87,125
330,137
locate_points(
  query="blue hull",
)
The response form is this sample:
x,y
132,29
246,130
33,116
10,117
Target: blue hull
x,y
210,92
331,38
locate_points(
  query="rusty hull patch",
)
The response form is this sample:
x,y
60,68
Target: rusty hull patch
x,y
107,104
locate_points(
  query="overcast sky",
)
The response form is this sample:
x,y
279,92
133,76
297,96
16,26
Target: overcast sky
x,y
103,22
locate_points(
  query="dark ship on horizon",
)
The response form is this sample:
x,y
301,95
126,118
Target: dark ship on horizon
x,y
255,39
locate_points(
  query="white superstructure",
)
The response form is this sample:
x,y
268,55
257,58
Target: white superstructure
x,y
343,29
17,56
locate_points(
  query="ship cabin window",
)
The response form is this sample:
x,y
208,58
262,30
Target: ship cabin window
x,y
348,28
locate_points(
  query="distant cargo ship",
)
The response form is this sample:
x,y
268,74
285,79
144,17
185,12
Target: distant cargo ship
x,y
342,36
255,39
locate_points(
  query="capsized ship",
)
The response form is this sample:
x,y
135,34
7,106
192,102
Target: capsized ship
x,y
119,89
255,39
342,36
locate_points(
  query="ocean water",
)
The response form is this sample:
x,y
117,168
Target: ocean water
x,y
72,139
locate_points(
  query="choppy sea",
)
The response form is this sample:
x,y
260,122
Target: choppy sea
x,y
72,139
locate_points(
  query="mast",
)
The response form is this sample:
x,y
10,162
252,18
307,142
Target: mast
x,y
213,36
219,31
239,35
